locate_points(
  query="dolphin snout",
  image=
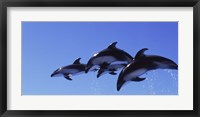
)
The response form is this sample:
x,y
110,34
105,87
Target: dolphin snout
x,y
52,74
98,75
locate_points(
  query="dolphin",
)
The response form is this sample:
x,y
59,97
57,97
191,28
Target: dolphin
x,y
111,54
110,69
70,70
142,64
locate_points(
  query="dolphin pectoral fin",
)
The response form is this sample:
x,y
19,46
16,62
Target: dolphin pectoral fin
x,y
100,72
138,79
67,77
113,73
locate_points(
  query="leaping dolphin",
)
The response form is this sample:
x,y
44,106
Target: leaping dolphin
x,y
107,56
70,70
141,65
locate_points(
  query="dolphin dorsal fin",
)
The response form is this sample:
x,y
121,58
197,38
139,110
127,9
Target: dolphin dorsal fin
x,y
77,61
140,53
112,45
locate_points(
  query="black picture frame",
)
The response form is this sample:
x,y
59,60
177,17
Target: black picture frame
x,y
98,3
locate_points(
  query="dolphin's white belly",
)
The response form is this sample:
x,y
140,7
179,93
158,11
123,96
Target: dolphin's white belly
x,y
135,74
77,73
107,59
70,71
119,62
58,75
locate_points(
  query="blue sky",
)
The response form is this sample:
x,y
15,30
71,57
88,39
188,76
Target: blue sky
x,y
47,46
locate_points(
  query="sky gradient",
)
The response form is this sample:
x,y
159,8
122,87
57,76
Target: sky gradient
x,y
47,46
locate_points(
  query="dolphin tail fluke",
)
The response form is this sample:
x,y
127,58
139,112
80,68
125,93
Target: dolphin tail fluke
x,y
138,79
67,77
164,63
174,67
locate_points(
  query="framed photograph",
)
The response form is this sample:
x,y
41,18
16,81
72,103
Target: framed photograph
x,y
99,58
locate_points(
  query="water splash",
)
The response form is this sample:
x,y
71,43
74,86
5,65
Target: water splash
x,y
173,75
161,82
95,87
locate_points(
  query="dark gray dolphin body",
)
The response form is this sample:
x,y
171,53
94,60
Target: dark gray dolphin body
x,y
70,70
141,65
107,56
111,69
